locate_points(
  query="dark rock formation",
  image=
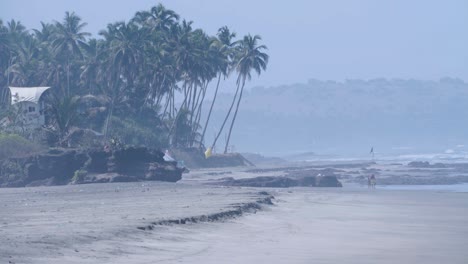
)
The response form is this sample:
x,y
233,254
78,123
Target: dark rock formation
x,y
98,161
163,171
56,165
64,166
265,181
425,164
327,181
419,164
219,216
282,181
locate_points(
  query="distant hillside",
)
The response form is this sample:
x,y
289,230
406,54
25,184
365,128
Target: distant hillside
x,y
348,118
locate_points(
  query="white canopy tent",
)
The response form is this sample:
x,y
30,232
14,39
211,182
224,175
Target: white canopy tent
x,y
26,94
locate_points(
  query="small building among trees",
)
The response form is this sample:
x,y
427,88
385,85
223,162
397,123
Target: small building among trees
x,y
28,105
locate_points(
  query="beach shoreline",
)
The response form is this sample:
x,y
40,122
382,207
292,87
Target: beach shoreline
x,y
99,223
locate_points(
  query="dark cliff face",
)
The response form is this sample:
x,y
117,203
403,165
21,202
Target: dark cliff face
x,y
64,166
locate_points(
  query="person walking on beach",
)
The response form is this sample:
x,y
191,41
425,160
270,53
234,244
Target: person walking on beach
x,y
372,181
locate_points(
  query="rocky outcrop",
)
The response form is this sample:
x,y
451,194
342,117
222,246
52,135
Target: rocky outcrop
x,y
282,181
327,181
218,216
425,164
293,177
64,166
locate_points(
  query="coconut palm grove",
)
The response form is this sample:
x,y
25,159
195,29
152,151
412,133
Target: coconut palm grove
x,y
142,82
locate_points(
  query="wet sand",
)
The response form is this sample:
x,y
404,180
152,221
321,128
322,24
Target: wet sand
x,y
346,226
96,221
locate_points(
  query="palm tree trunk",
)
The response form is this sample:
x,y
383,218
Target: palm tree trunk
x,y
3,99
211,109
198,103
68,76
194,104
109,116
189,95
227,116
198,110
173,102
160,89
235,115
162,93
175,119
167,105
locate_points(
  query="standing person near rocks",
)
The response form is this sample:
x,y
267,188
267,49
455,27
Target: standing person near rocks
x,y
373,181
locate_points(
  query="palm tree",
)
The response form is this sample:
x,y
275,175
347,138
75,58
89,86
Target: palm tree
x,y
64,115
92,71
24,65
250,58
136,70
5,59
12,36
222,60
157,19
50,70
46,33
68,41
16,30
5,45
126,44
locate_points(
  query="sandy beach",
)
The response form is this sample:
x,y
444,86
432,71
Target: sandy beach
x,y
233,132
346,226
99,223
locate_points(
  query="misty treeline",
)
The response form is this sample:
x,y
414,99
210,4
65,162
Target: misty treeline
x,y
125,82
350,116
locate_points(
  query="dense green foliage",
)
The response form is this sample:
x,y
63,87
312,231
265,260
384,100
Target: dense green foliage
x,y
125,83
16,146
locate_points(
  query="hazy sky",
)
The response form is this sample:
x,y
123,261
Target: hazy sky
x,y
328,39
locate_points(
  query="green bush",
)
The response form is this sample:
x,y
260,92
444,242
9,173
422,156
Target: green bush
x,y
12,146
79,176
10,171
131,132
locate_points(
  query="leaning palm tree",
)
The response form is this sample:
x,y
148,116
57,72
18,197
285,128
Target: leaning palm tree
x,y
250,58
222,58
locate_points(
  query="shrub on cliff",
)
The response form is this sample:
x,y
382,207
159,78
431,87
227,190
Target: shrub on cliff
x,y
12,145
137,133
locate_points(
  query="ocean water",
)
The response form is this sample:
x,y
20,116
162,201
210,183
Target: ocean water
x,y
447,156
450,188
